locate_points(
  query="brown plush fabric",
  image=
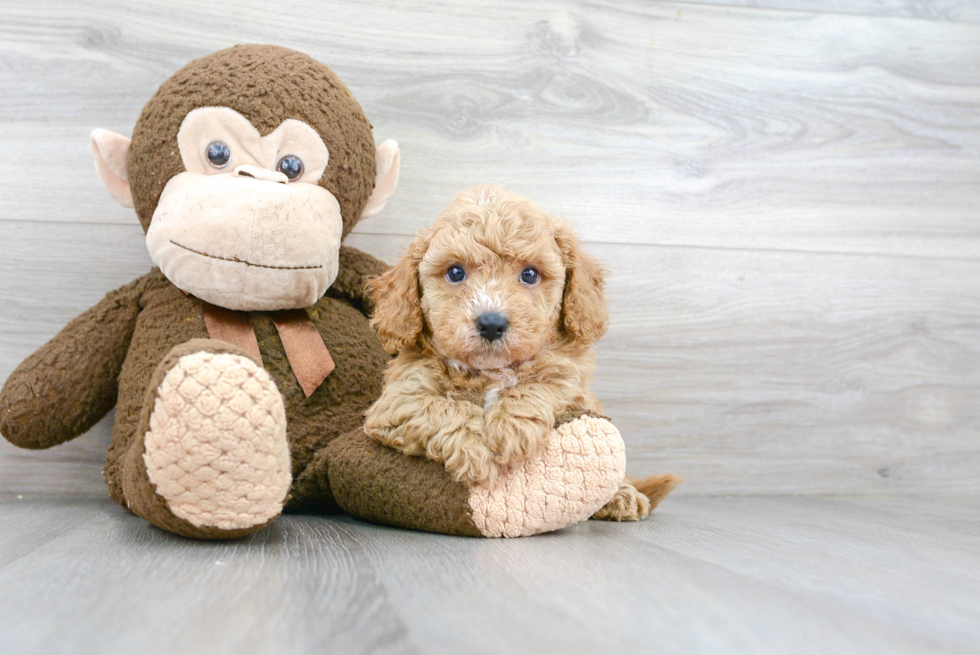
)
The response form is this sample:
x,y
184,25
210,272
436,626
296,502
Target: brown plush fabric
x,y
68,385
379,484
266,84
169,318
356,268
137,489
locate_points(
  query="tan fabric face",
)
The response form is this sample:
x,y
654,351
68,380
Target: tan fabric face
x,y
246,244
242,235
204,125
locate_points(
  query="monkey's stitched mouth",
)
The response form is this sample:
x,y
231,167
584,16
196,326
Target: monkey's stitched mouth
x,y
247,263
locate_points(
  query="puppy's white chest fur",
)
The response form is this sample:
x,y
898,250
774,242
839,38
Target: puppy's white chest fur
x,y
503,379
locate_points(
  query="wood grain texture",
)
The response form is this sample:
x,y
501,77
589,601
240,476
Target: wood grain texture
x,y
703,575
724,127
743,372
787,199
956,11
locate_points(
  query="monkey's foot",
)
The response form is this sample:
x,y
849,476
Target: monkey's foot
x,y
214,455
578,473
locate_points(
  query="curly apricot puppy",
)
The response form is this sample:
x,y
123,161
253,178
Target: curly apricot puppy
x,y
494,313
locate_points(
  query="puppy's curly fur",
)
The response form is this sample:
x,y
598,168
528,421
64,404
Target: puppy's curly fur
x,y
475,404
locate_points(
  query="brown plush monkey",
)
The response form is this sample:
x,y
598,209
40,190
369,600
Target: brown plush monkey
x,y
247,169
237,362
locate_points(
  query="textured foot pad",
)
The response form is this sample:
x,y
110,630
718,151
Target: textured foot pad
x,y
579,472
216,448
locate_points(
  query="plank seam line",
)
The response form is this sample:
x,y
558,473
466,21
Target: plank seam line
x,y
796,251
810,12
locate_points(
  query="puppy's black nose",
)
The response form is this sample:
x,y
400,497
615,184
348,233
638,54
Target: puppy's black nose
x,y
491,326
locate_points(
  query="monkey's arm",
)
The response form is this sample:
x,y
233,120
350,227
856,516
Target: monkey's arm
x,y
69,384
356,268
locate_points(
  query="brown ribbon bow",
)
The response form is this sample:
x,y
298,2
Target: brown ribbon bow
x,y
307,354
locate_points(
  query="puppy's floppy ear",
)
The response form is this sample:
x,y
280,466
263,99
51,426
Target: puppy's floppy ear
x,y
583,311
398,310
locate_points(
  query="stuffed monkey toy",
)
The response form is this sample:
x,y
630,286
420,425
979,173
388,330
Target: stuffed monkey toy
x,y
241,365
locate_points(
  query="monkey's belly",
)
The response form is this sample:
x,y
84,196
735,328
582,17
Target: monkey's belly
x,y
338,404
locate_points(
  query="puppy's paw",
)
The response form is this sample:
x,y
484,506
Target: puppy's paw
x,y
514,439
627,505
395,437
466,457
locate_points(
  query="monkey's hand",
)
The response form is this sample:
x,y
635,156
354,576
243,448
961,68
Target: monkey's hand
x,y
356,268
69,384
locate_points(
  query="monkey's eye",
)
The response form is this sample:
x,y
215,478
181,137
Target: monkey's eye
x,y
219,154
291,166
530,275
455,274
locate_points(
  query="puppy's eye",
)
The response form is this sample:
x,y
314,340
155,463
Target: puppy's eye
x,y
530,275
455,274
291,166
218,154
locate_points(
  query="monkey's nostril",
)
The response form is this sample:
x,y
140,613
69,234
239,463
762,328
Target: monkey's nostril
x,y
491,326
259,173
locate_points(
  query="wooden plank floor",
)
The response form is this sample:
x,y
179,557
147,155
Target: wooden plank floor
x,y
704,575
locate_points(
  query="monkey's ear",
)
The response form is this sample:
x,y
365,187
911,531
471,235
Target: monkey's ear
x,y
110,151
388,161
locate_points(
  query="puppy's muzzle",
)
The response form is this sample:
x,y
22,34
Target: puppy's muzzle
x,y
491,326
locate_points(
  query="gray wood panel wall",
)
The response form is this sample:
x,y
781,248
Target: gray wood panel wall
x,y
787,194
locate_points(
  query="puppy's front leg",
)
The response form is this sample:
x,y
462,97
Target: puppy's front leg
x,y
416,421
518,422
